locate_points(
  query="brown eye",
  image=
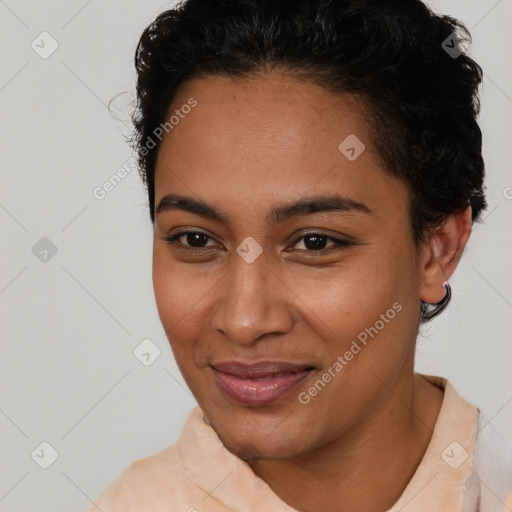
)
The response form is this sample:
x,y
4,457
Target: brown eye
x,y
316,243
192,240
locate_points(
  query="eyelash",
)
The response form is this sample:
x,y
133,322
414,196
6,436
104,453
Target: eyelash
x,y
341,244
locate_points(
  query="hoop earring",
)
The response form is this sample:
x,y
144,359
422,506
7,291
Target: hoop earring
x,y
446,297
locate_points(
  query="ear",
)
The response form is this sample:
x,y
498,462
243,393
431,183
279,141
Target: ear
x,y
441,253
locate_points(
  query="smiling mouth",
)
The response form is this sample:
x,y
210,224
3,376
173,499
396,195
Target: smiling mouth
x,y
259,383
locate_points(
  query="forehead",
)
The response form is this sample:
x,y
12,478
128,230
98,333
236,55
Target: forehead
x,y
269,137
268,109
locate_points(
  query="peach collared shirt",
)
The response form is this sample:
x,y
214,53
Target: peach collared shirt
x,y
198,474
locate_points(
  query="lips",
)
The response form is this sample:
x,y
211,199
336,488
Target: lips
x,y
259,383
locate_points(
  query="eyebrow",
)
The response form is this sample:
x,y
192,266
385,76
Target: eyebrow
x,y
280,213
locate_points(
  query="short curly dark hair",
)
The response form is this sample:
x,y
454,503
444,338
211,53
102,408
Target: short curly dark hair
x,y
421,87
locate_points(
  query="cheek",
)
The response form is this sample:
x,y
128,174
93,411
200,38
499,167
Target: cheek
x,y
349,296
364,312
166,289
178,288
174,300
181,295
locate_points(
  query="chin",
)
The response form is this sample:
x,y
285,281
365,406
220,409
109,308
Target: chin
x,y
252,439
252,450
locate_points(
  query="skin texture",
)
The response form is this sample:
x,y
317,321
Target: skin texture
x,y
247,146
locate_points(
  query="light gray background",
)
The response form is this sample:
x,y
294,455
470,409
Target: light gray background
x,y
69,326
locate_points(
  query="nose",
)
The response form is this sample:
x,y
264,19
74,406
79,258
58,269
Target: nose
x,y
253,301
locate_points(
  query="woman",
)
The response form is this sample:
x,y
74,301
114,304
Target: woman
x,y
313,172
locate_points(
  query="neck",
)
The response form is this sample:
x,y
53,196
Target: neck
x,y
369,466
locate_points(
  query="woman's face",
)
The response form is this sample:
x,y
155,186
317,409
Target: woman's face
x,y
322,330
